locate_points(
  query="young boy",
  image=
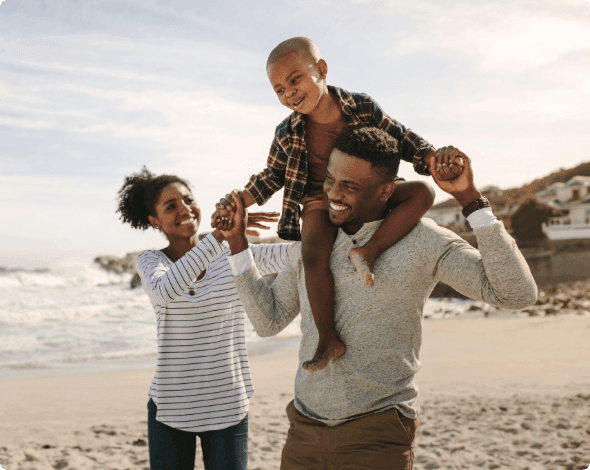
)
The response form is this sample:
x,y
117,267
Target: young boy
x,y
298,161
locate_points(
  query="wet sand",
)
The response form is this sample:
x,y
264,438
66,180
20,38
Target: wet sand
x,y
507,393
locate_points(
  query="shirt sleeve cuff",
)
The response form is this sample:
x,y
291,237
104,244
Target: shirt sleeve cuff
x,y
241,262
482,218
217,247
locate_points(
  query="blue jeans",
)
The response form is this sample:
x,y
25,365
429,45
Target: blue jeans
x,y
173,449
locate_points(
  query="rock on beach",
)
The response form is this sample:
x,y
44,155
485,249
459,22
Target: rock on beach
x,y
126,264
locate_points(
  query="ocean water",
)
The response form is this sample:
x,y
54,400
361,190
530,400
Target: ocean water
x,y
76,317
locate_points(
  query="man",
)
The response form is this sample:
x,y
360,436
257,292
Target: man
x,y
361,410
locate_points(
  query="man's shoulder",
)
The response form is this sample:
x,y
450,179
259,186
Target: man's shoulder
x,y
428,233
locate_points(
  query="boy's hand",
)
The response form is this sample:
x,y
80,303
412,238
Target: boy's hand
x,y
447,166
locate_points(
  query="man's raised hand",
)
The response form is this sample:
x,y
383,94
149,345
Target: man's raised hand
x,y
461,187
446,167
223,211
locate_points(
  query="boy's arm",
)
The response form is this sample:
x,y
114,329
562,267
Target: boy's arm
x,y
260,187
409,202
413,148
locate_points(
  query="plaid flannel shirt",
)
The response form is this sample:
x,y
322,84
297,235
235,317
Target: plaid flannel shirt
x,y
287,160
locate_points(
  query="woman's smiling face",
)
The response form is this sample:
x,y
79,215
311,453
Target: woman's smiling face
x,y
177,214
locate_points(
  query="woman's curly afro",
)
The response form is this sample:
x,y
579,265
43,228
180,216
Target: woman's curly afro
x,y
139,194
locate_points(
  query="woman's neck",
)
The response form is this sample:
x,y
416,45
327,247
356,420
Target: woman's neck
x,y
178,248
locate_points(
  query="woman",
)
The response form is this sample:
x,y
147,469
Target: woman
x,y
202,384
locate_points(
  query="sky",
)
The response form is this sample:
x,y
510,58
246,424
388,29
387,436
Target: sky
x,y
90,91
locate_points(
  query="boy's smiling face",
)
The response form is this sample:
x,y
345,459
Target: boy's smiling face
x,y
298,82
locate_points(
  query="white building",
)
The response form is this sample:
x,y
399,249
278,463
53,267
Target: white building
x,y
446,213
573,198
575,189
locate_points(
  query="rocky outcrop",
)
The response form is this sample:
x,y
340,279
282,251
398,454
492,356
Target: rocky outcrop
x,y
559,299
571,297
118,265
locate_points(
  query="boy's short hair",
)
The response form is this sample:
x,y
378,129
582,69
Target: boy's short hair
x,y
373,145
300,44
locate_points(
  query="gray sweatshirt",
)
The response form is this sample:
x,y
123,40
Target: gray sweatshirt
x,y
381,326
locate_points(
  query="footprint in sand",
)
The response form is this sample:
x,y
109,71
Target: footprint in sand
x,y
59,464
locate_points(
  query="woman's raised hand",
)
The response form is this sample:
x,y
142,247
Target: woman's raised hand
x,y
254,221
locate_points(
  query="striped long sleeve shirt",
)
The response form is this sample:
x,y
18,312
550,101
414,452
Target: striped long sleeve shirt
x,y
202,380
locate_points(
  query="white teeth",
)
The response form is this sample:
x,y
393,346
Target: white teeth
x,y
186,222
337,207
297,103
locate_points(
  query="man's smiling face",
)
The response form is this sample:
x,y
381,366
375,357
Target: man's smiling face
x,y
357,194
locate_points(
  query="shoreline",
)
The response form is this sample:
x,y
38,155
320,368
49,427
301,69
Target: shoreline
x,y
450,310
494,393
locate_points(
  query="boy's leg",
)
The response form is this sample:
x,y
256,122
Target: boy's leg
x,y
226,448
317,240
169,447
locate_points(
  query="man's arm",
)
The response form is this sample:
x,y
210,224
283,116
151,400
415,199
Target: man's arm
x,y
270,309
497,273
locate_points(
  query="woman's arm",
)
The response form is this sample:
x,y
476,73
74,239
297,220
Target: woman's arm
x,y
271,258
164,283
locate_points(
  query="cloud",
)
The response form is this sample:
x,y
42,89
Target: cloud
x,y
493,35
91,91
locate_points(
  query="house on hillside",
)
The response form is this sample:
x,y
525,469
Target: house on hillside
x,y
575,189
505,215
573,199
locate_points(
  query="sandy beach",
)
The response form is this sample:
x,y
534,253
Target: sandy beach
x,y
506,393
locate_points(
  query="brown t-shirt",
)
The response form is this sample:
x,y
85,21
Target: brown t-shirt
x,y
319,140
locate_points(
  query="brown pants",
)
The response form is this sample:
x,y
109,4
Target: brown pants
x,y
382,440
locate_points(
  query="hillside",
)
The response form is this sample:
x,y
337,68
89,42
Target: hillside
x,y
510,197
